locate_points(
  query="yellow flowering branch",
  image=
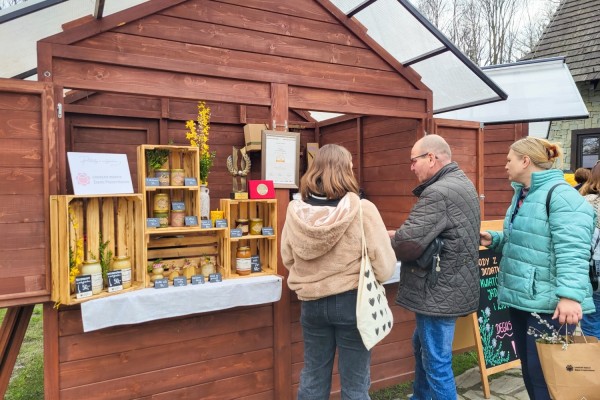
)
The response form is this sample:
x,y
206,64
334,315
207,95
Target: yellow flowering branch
x,y
197,134
76,254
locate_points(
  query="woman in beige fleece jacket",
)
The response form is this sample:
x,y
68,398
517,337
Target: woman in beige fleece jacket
x,y
321,247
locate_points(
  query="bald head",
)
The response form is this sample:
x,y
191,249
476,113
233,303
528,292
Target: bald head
x,y
437,145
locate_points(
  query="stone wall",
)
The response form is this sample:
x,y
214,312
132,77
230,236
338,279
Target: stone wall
x,y
560,131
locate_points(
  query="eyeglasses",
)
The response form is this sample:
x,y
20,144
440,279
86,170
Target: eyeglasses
x,y
415,158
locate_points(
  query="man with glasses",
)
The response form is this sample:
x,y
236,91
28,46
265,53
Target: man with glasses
x,y
447,207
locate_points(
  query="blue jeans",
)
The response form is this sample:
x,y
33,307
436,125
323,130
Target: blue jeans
x,y
327,324
591,322
530,361
432,344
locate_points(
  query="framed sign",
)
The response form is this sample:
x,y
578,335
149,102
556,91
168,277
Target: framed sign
x,y
281,158
99,173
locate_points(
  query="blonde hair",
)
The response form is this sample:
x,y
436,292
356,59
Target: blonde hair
x,y
592,185
541,152
330,174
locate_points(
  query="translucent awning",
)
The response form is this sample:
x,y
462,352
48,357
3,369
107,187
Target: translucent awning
x,y
539,90
456,82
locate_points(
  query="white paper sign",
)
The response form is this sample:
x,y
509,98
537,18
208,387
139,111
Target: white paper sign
x,y
99,173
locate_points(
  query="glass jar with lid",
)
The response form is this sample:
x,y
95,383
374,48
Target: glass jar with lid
x,y
243,263
177,218
122,263
161,202
177,177
242,223
163,218
256,225
94,269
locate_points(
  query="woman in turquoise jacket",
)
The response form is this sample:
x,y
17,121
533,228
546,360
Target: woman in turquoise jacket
x,y
544,265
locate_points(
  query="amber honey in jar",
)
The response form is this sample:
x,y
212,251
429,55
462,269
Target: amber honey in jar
x,y
122,263
256,225
177,177
243,263
177,218
242,224
161,202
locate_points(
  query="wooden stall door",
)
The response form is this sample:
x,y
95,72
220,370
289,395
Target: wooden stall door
x,y
27,178
466,142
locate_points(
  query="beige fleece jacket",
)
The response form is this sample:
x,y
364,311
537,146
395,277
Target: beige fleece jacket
x,y
321,246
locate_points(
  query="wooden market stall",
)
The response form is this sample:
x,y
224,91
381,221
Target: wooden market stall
x,y
134,78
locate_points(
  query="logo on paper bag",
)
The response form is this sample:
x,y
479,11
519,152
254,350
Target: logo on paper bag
x,y
83,179
569,368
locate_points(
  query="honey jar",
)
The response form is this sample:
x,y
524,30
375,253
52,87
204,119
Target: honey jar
x,y
161,202
177,218
163,218
123,263
177,177
163,176
94,269
242,224
256,225
243,263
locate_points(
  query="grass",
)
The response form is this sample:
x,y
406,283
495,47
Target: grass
x,y
460,363
27,380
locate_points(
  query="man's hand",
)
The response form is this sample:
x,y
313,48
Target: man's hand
x,y
485,238
568,311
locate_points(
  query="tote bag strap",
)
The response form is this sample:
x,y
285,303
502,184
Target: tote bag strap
x,y
362,231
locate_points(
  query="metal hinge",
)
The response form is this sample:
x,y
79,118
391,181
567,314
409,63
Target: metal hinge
x,y
59,110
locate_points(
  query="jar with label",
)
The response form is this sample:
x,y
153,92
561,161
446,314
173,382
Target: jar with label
x,y
163,218
243,263
163,176
122,263
177,177
207,269
243,225
93,268
256,225
161,202
177,218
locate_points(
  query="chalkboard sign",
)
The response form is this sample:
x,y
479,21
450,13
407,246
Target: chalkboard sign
x,y
161,283
206,224
215,277
152,182
494,322
197,279
191,220
255,264
179,281
190,182
235,232
152,222
177,205
220,223
115,281
83,286
267,231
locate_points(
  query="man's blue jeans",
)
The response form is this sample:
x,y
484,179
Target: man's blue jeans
x,y
432,344
328,323
591,322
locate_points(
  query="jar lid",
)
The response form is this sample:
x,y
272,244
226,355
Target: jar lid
x,y
160,211
241,220
243,248
162,170
161,194
177,211
256,219
121,258
91,262
176,169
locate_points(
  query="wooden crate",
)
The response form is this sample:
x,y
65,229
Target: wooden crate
x,y
183,157
265,246
120,220
174,249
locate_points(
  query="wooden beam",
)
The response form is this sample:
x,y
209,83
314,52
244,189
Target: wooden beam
x,y
12,332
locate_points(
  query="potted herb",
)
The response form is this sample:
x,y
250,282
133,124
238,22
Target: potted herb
x,y
157,158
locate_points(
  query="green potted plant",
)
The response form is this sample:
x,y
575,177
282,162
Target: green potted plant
x,y
157,158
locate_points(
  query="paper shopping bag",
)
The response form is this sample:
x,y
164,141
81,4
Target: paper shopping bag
x,y
572,373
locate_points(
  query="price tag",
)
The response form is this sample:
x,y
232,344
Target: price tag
x,y
115,281
83,286
255,264
267,231
197,279
235,232
215,277
191,220
220,223
177,205
152,182
190,182
161,283
206,224
180,281
152,223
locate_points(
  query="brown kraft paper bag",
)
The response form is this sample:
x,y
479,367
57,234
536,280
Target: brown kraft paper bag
x,y
573,373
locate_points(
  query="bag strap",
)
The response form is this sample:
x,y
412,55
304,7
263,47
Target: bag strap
x,y
549,196
362,231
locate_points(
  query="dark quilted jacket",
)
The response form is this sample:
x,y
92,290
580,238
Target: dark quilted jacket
x,y
448,207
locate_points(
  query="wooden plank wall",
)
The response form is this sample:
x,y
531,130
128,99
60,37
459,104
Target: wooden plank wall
x,y
23,198
201,356
498,192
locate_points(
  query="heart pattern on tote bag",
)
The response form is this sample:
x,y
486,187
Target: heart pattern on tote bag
x,y
373,315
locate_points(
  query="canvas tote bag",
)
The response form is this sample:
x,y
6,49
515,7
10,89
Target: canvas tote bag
x,y
373,315
572,373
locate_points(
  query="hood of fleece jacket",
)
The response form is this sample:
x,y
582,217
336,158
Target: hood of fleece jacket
x,y
314,230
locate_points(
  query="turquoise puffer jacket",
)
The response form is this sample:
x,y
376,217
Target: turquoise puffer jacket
x,y
543,261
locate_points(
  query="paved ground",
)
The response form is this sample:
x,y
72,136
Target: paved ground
x,y
507,385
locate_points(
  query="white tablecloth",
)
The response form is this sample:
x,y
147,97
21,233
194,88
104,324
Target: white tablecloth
x,y
152,304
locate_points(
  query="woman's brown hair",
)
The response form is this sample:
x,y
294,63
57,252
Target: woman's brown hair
x,y
330,174
541,152
592,185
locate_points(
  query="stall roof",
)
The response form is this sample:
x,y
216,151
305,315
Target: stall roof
x,y
394,24
539,90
